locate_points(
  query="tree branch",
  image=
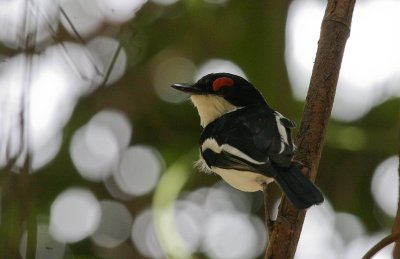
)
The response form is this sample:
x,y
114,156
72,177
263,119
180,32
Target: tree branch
x,y
394,237
335,30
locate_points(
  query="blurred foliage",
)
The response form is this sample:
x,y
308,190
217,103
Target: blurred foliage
x,y
251,34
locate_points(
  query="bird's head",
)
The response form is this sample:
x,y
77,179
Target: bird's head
x,y
219,93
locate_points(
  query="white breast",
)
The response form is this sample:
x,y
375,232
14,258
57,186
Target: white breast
x,y
243,180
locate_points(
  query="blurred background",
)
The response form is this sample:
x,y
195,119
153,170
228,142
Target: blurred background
x,y
96,150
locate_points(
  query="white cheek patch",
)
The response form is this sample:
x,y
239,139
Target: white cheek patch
x,y
210,107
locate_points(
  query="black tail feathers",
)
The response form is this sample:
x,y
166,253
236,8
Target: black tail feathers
x,y
297,187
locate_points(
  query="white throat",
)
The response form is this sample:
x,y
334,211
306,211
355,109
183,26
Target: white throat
x,y
211,107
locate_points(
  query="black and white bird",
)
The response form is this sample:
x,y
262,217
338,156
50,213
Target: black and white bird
x,y
245,141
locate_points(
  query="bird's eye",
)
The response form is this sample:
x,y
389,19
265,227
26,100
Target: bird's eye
x,y
222,82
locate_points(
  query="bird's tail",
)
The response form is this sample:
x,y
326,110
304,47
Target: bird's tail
x,y
297,187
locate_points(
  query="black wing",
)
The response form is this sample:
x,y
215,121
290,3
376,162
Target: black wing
x,y
248,139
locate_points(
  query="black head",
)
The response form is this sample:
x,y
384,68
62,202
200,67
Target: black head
x,y
234,89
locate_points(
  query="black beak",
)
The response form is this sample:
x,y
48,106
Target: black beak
x,y
188,88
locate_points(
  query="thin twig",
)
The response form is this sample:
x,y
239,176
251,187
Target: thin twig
x,y
111,66
24,179
72,25
81,40
29,207
381,244
335,30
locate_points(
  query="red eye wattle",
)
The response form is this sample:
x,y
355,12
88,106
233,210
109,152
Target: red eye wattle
x,y
221,82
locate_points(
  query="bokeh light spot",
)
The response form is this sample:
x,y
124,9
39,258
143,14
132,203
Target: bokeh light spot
x,y
144,237
121,10
170,71
349,226
50,83
139,170
115,191
189,219
216,66
362,85
118,124
21,19
385,185
85,17
104,50
44,154
352,138
318,231
46,246
358,247
115,224
230,235
217,2
209,220
75,215
164,2
93,151
224,197
101,141
95,147
53,91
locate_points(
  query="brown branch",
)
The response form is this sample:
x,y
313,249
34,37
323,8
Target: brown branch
x,y
381,244
335,30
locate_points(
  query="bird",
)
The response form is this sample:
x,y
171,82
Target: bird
x,y
245,141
